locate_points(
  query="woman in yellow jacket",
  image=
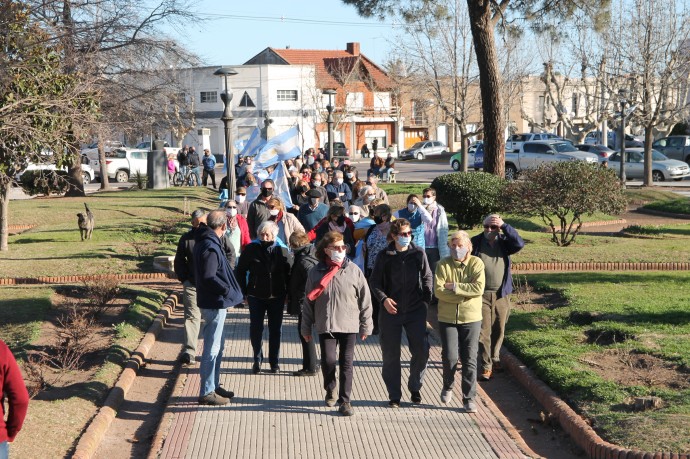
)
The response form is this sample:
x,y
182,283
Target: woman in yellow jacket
x,y
459,285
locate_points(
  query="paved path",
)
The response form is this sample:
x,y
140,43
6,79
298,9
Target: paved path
x,y
281,416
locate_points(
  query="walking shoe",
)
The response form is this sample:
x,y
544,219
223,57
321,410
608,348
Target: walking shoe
x,y
346,409
470,406
330,398
213,399
256,368
446,395
394,404
304,372
224,393
485,376
186,359
275,368
416,397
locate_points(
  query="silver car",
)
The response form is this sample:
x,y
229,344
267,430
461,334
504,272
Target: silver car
x,y
422,150
662,167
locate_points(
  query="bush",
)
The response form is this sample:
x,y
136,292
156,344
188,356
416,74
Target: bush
x,y
560,193
469,196
44,182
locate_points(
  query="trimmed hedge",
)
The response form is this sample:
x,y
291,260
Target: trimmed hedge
x,y
469,196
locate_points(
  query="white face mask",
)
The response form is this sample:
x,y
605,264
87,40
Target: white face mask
x,y
339,181
316,184
240,198
337,256
350,175
411,207
459,252
231,212
274,212
428,201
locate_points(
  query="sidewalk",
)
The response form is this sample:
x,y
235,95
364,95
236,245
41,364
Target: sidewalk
x,y
281,416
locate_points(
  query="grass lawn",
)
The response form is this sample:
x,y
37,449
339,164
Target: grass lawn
x,y
618,336
675,206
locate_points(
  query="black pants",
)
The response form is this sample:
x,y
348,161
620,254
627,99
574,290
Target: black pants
x,y
329,346
205,176
309,362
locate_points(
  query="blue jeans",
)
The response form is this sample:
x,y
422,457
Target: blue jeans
x,y
4,450
460,339
197,170
258,309
214,342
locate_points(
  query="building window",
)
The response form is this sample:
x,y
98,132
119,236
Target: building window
x,y
246,101
575,104
287,95
382,101
354,101
209,97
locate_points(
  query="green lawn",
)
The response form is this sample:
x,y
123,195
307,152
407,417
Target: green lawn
x,y
675,206
613,314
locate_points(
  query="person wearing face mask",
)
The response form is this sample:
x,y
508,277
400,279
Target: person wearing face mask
x,y
362,224
317,183
311,214
436,231
258,209
367,195
458,285
287,222
351,176
338,306
376,240
237,231
338,189
242,203
263,272
373,182
402,283
299,195
495,246
418,217
336,220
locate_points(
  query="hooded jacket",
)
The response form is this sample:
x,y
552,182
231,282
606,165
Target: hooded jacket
x,y
305,259
216,286
268,269
405,277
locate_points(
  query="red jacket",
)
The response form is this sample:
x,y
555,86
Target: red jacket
x,y
13,388
244,231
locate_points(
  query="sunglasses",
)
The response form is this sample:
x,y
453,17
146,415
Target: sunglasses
x,y
339,248
353,213
493,227
428,196
231,207
271,207
241,194
405,234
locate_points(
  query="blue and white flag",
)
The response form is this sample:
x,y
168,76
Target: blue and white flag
x,y
254,144
279,148
281,188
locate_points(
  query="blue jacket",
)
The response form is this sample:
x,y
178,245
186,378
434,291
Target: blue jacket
x,y
216,285
334,191
209,162
511,243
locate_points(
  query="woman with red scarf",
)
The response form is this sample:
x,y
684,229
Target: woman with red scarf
x,y
287,222
338,305
238,231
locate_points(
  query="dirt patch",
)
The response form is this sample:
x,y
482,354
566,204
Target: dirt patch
x,y
630,368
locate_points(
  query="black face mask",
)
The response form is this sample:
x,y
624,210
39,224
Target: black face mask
x,y
303,189
378,219
265,192
266,244
340,220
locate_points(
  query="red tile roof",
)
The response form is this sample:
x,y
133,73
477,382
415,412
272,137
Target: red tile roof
x,y
332,65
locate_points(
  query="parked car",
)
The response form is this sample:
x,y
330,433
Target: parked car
x,y
146,145
124,162
422,150
340,150
87,173
592,138
472,154
91,150
663,168
674,147
515,141
532,154
602,151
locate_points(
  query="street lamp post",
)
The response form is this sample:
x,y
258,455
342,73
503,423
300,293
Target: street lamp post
x,y
226,97
329,120
623,97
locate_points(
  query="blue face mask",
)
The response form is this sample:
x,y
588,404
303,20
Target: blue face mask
x,y
404,240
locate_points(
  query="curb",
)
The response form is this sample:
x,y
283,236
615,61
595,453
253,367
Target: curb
x,y
82,278
578,429
89,441
521,268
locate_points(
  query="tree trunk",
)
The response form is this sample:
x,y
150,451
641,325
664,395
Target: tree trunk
x,y
490,85
648,139
4,230
76,183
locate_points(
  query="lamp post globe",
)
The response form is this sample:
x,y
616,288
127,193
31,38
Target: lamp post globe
x,y
226,118
330,93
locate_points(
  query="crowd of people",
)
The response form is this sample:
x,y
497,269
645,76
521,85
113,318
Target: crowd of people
x,y
348,266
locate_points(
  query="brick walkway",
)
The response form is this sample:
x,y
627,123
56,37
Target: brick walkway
x,y
281,416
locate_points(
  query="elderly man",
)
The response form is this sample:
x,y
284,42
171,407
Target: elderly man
x,y
495,249
217,290
338,189
373,181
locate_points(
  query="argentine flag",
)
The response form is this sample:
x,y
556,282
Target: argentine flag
x,y
279,148
254,144
282,189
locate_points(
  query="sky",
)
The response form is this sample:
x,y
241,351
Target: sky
x,y
234,31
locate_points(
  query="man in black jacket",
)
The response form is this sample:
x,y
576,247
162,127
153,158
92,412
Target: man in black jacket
x,y
217,290
402,282
194,163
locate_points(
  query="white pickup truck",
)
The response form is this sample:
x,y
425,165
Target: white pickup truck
x,y
122,163
532,154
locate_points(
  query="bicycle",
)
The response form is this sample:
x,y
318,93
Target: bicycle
x,y
191,178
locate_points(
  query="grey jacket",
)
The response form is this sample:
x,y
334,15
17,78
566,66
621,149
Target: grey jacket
x,y
345,305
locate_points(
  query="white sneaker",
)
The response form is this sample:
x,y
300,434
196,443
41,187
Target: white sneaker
x,y
446,395
470,407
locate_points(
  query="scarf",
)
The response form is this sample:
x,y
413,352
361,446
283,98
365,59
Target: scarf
x,y
325,280
232,222
277,218
334,227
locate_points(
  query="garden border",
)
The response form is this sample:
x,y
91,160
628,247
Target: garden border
x,y
82,278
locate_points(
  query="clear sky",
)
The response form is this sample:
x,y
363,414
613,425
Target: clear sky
x,y
234,31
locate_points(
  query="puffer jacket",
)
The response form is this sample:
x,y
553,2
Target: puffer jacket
x,y
268,269
343,307
305,259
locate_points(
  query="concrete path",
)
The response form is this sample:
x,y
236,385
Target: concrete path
x,y
282,416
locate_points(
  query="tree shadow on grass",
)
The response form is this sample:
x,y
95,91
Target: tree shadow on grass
x,y
92,391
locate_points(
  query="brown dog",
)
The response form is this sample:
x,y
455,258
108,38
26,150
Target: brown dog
x,y
86,223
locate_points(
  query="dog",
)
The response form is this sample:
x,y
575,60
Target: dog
x,y
86,223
